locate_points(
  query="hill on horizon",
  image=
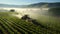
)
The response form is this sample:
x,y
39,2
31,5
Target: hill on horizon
x,y
45,5
36,5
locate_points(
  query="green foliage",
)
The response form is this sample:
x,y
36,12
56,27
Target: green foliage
x,y
13,25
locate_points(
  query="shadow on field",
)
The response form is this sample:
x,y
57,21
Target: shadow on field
x,y
34,21
1,32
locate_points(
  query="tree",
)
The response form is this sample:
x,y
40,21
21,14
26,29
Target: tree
x,y
12,10
25,17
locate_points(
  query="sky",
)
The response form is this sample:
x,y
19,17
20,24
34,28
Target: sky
x,y
25,2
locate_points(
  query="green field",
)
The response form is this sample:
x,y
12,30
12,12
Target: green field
x,y
12,25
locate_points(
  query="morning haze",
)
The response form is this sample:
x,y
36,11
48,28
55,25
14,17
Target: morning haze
x,y
29,16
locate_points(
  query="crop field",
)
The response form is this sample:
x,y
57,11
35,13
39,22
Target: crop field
x,y
10,24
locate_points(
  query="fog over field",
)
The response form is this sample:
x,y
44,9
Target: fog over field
x,y
42,15
32,12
